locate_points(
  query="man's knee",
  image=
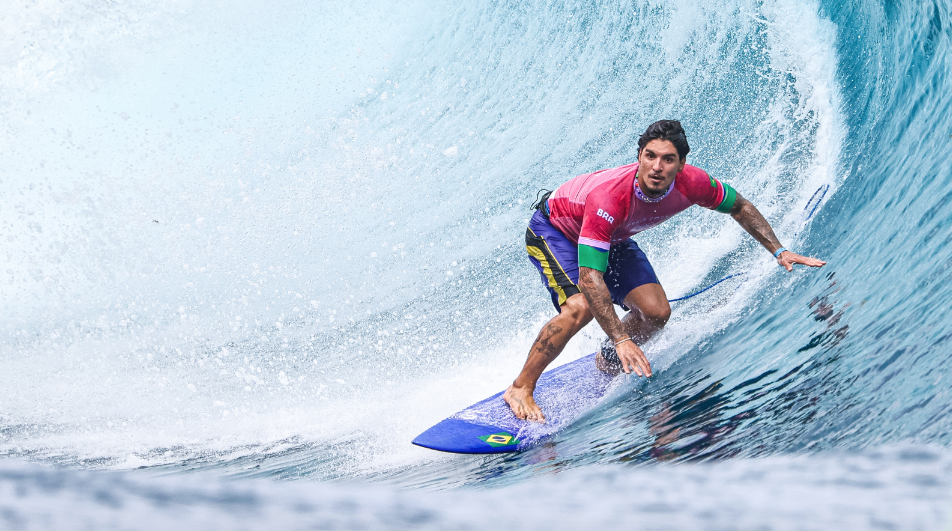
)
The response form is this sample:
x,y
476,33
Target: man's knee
x,y
576,309
656,314
650,304
659,316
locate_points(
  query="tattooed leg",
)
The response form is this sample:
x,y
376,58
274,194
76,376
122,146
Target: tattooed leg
x,y
547,346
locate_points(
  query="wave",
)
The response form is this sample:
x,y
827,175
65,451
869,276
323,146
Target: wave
x,y
281,242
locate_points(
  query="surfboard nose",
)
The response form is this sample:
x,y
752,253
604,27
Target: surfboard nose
x,y
465,437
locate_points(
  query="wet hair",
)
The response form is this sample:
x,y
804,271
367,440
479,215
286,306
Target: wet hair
x,y
669,130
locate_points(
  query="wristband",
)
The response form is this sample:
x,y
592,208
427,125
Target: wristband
x,y
622,341
778,252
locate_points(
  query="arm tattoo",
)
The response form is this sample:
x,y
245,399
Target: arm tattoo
x,y
747,215
592,284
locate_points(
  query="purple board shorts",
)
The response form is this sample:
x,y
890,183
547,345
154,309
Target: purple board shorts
x,y
556,258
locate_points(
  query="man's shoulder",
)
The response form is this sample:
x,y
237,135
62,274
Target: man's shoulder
x,y
600,177
606,181
699,187
693,172
620,178
693,179
623,172
614,190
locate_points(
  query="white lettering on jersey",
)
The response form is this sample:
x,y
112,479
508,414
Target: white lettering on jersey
x,y
603,214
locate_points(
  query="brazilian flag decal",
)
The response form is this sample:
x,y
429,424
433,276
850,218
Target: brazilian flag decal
x,y
499,439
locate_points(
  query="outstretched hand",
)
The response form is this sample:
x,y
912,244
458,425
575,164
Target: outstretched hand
x,y
787,259
633,359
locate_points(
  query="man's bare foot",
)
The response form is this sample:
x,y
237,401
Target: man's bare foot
x,y
607,367
522,404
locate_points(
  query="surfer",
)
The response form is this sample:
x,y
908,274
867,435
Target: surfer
x,y
580,240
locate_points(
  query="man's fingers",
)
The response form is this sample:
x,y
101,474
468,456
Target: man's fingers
x,y
645,366
787,260
636,361
638,365
806,260
636,369
626,363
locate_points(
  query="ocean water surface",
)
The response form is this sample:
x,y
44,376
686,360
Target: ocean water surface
x,y
245,244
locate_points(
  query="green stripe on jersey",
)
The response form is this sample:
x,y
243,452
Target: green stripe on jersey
x,y
730,197
592,257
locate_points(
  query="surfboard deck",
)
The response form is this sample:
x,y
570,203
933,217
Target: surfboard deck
x,y
488,427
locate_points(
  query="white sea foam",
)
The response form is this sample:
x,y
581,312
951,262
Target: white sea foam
x,y
225,241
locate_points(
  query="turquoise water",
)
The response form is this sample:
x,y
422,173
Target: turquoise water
x,y
279,242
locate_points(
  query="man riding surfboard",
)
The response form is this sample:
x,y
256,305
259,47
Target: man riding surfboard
x,y
580,240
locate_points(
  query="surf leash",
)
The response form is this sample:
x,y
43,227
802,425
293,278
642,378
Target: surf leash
x,y
709,287
825,188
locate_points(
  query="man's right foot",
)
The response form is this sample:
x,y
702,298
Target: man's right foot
x,y
606,360
522,404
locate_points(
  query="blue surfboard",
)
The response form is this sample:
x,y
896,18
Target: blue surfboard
x,y
488,427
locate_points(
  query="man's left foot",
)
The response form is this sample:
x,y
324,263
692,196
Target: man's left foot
x,y
522,404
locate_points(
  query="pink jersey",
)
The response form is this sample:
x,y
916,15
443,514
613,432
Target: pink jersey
x,y
601,208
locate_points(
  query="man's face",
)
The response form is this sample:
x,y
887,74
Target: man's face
x,y
660,164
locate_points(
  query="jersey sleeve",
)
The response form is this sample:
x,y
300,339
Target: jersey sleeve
x,y
706,191
602,216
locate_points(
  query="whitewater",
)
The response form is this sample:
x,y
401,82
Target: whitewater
x,y
250,251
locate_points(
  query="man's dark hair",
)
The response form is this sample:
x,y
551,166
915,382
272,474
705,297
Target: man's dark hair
x,y
669,130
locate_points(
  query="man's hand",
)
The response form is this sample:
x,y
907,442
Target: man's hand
x,y
747,215
632,356
787,259
592,284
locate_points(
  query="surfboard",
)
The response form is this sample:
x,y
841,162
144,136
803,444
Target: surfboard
x,y
488,427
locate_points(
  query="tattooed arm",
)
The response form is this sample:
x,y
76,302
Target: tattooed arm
x,y
592,284
747,215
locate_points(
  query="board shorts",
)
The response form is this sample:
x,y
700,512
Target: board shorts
x,y
556,258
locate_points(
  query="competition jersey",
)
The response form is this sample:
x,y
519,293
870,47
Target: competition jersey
x,y
596,210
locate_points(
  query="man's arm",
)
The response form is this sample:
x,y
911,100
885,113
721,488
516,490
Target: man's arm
x,y
748,217
592,284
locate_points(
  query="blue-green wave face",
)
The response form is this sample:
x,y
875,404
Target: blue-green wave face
x,y
285,240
